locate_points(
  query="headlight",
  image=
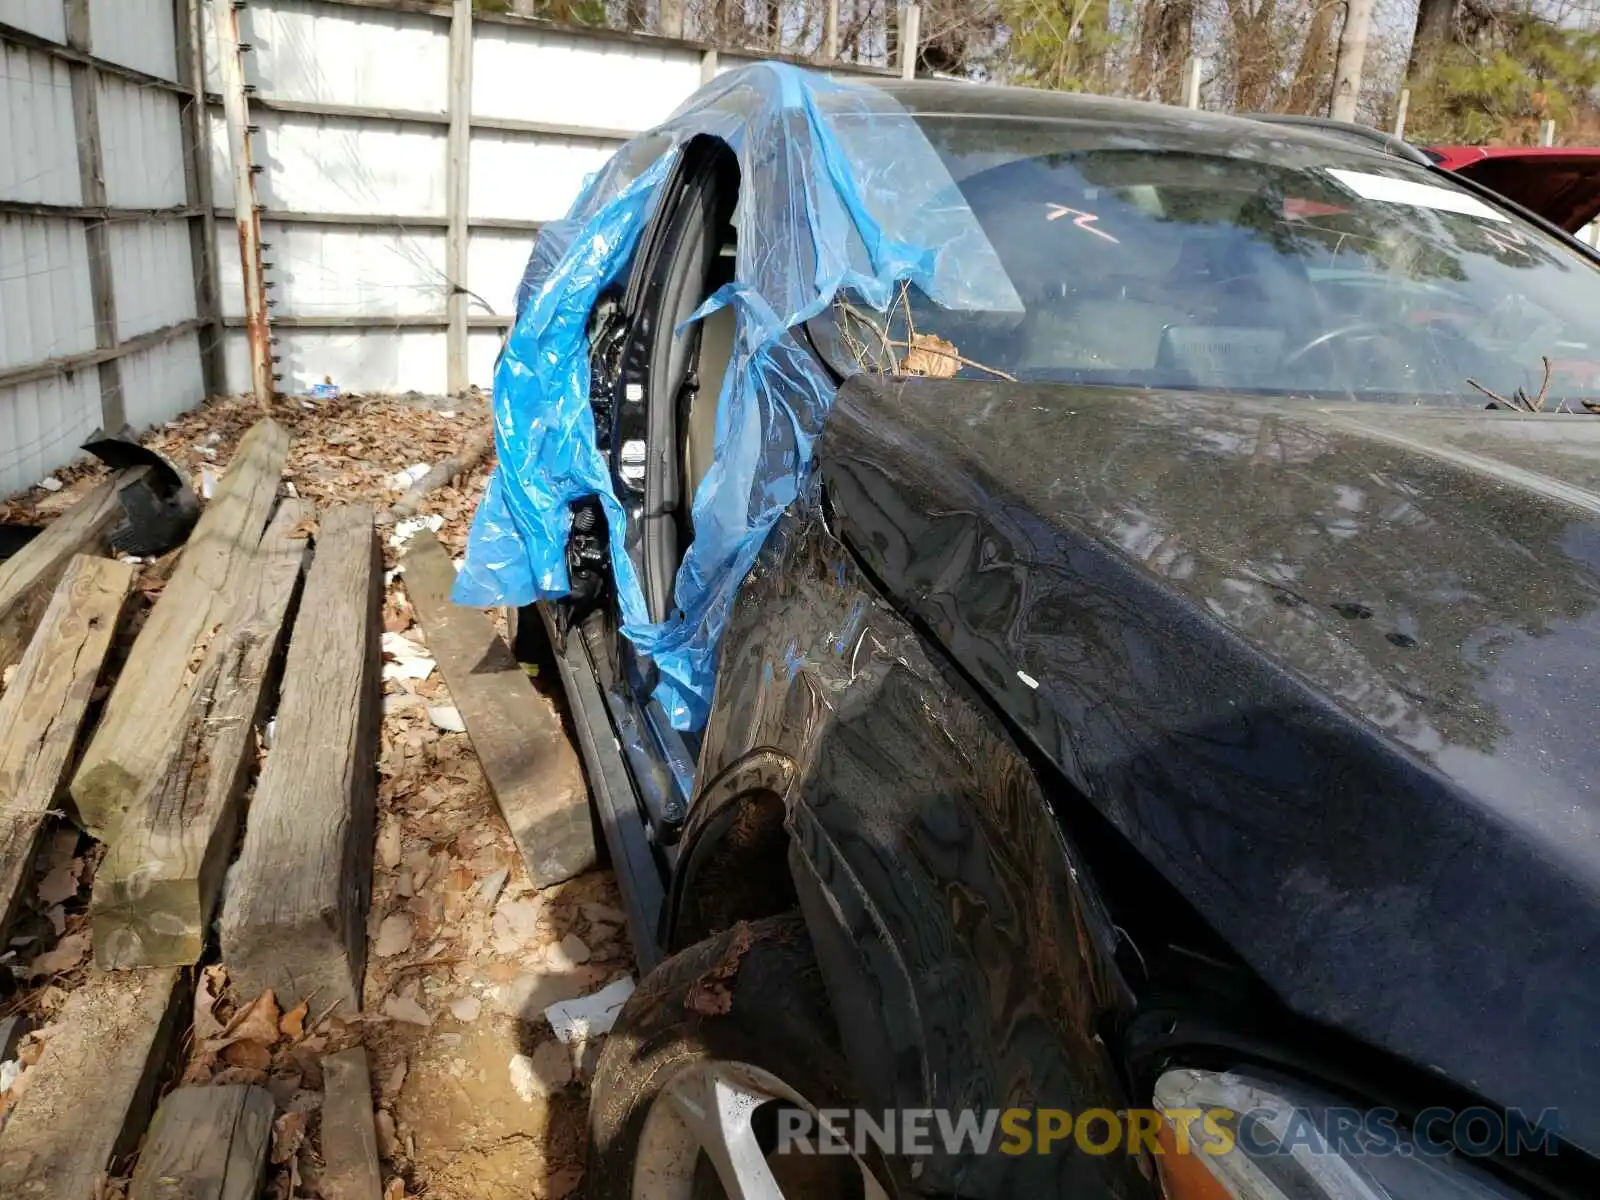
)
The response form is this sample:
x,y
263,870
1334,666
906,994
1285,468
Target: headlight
x,y
1237,1136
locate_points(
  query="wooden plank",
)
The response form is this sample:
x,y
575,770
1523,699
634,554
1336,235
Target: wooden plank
x,y
349,1137
403,321
294,918
529,763
147,706
198,193
90,1095
156,888
28,578
400,221
95,212
85,82
22,37
206,1143
42,709
66,364
436,119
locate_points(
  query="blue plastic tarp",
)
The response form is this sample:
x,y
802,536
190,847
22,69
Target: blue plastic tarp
x,y
839,191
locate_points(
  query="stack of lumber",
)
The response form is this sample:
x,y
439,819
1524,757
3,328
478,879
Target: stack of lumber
x,y
270,606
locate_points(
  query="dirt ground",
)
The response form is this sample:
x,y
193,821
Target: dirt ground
x,y
476,1097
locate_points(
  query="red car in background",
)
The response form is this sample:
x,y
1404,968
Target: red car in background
x,y
1559,183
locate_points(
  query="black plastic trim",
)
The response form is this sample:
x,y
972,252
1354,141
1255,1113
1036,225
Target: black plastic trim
x,y
616,802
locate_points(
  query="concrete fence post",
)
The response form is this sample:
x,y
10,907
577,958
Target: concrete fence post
x,y
457,193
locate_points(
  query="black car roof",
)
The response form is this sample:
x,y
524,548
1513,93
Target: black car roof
x,y
1166,125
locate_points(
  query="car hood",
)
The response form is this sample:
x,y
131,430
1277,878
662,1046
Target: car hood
x,y
1560,185
1331,669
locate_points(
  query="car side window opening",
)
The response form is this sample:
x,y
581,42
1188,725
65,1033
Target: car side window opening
x,y
667,424
1250,267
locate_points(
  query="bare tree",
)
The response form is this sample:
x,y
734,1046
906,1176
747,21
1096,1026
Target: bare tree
x,y
1308,93
1165,39
1352,54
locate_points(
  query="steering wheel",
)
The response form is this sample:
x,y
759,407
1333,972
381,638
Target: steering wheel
x,y
1338,334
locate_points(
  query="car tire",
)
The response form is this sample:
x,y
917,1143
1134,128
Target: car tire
x,y
751,995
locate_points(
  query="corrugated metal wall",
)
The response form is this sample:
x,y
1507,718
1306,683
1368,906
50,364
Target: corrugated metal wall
x,y
101,310
91,174
352,107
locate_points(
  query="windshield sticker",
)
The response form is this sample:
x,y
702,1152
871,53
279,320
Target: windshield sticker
x,y
1085,220
1414,195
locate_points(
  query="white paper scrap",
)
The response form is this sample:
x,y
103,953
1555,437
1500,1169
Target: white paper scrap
x,y
589,1016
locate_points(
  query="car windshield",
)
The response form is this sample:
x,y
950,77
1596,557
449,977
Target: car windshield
x,y
1260,264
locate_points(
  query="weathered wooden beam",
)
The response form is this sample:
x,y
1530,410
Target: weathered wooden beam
x,y
85,82
356,321
42,709
443,471
294,918
156,888
414,116
109,213
66,364
527,759
147,706
349,1137
197,158
27,578
90,1095
206,1143
22,37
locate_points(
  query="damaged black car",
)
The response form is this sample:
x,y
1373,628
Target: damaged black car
x,y
1152,754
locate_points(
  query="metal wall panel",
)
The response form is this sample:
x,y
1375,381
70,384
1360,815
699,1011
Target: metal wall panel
x,y
315,51
141,145
495,262
47,18
208,47
135,33
319,50
541,75
42,425
358,360
152,273
45,309
332,271
483,347
335,165
375,360
162,382
38,140
530,178
221,170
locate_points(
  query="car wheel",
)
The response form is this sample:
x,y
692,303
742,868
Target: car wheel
x,y
715,1045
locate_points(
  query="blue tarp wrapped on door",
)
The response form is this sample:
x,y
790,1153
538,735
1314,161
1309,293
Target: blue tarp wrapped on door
x,y
839,190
